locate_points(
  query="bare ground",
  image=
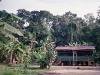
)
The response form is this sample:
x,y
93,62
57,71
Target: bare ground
x,y
73,70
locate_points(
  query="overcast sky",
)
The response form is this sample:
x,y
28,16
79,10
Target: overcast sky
x,y
56,7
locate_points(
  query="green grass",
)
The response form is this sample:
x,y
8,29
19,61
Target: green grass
x,y
17,70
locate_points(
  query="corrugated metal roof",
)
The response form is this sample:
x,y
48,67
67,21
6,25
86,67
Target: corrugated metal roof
x,y
75,48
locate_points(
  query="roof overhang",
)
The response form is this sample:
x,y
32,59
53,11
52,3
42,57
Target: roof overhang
x,y
75,48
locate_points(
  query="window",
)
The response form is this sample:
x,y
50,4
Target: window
x,y
84,53
65,53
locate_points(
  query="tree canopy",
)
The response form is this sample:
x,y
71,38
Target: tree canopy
x,y
43,26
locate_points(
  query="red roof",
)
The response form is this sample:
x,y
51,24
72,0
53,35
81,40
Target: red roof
x,y
75,48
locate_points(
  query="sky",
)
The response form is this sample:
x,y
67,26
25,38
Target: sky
x,y
56,7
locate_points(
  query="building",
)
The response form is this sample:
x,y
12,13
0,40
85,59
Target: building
x,y
75,55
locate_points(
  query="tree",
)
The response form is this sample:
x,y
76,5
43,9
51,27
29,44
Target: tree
x,y
37,27
98,13
96,37
38,32
89,18
86,34
70,15
51,53
59,30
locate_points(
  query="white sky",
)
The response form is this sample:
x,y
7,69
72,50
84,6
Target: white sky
x,y
56,7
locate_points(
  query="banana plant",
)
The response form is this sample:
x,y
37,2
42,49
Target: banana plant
x,y
31,38
45,58
14,52
41,58
96,56
6,30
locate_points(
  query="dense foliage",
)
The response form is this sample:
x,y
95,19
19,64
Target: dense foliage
x,y
34,29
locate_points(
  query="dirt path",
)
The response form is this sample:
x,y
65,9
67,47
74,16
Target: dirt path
x,y
72,70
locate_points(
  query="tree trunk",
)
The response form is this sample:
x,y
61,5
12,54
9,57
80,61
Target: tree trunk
x,y
11,60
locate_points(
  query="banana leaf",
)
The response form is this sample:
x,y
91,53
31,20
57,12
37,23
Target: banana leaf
x,y
16,18
8,16
10,28
7,35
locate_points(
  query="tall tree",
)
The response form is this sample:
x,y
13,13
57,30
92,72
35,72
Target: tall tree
x,y
90,20
86,34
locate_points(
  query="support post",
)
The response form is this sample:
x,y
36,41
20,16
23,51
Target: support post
x,y
73,58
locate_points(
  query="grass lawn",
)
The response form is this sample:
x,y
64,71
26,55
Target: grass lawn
x,y
19,70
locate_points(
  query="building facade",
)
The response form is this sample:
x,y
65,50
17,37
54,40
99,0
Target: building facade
x,y
75,55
